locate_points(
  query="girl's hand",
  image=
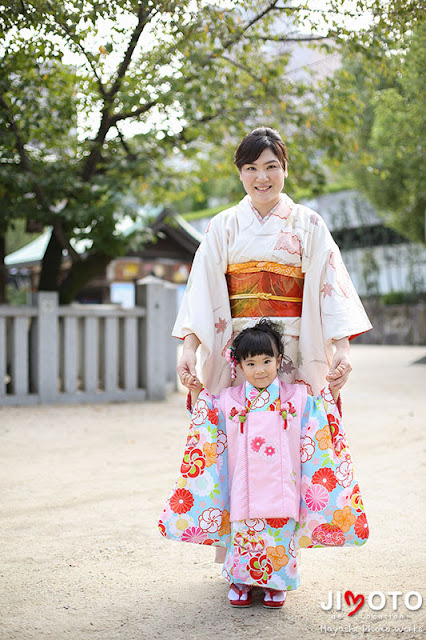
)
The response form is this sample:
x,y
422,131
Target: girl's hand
x,y
340,366
333,389
191,382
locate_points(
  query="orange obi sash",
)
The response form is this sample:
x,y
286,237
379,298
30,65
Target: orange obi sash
x,y
258,289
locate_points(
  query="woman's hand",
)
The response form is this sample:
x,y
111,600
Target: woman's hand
x,y
188,360
341,365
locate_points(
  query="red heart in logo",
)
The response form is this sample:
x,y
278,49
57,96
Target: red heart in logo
x,y
351,599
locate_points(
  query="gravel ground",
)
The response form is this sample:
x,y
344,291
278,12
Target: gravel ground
x,y
83,487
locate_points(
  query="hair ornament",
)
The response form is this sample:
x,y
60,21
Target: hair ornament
x,y
230,357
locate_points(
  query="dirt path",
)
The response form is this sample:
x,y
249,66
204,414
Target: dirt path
x,y
82,488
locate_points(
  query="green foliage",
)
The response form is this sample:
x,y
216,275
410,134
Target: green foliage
x,y
370,272
207,213
16,296
89,117
401,297
17,237
396,176
377,108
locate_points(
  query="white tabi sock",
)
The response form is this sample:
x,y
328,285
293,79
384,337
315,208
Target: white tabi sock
x,y
232,595
279,596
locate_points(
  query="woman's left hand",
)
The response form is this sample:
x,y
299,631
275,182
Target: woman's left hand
x,y
341,365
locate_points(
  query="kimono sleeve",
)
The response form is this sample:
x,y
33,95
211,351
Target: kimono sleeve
x,y
331,507
329,285
197,509
205,284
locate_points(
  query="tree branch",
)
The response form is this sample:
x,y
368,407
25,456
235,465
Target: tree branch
x,y
135,113
302,39
25,163
108,120
143,19
82,50
349,14
129,152
249,24
242,67
260,15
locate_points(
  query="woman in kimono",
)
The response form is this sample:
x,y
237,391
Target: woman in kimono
x,y
266,470
269,257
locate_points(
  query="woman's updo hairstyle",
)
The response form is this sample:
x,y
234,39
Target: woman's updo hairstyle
x,y
263,338
257,141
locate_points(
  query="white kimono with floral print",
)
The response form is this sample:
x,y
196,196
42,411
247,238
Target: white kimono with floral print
x,y
293,235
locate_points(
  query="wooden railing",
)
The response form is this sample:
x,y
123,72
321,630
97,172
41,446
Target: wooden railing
x,y
89,353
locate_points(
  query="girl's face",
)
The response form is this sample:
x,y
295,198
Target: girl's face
x,y
263,181
260,370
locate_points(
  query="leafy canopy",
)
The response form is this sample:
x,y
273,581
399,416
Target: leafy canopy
x,y
99,100
382,128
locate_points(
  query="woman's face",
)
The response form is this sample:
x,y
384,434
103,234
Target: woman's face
x,y
263,181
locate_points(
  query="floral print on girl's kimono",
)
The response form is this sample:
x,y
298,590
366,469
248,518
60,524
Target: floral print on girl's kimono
x,y
262,551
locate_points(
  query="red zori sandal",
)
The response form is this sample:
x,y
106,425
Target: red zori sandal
x,y
274,599
240,597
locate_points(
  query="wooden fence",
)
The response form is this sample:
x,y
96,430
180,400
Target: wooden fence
x,y
89,353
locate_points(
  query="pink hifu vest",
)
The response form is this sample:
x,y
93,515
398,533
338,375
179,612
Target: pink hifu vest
x,y
264,460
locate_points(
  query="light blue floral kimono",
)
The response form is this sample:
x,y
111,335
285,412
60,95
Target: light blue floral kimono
x,y
262,551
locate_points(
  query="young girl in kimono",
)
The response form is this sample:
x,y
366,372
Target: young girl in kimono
x,y
266,470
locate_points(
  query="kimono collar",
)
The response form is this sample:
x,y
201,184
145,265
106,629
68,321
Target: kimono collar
x,y
247,218
238,394
273,389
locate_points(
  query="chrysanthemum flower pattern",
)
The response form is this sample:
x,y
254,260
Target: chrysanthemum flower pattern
x,y
325,477
316,497
277,523
361,527
194,534
181,501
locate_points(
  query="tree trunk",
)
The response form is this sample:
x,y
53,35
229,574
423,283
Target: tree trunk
x,y
80,274
3,270
51,265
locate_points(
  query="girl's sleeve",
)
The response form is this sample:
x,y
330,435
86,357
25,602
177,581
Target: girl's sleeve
x,y
331,507
197,509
